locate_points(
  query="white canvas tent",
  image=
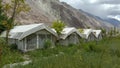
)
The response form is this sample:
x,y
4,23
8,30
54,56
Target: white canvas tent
x,y
88,35
69,35
29,37
98,34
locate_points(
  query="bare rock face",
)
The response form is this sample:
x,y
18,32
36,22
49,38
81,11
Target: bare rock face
x,y
46,11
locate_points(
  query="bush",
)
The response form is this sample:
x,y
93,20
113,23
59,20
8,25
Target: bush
x,y
114,52
9,54
13,47
70,45
92,46
86,47
47,44
2,41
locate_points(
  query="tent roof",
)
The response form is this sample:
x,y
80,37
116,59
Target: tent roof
x,y
67,31
20,32
86,33
97,32
24,28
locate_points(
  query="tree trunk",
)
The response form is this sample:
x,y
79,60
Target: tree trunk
x,y
14,11
7,35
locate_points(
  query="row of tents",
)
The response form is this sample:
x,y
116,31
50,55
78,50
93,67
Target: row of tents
x,y
34,36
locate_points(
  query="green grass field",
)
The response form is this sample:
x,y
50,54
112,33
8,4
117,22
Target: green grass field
x,y
102,54
8,54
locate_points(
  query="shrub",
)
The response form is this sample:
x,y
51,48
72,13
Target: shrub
x,y
92,46
114,52
85,46
70,45
9,54
47,44
2,41
13,47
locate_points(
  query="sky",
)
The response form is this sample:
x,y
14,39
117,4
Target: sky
x,y
101,8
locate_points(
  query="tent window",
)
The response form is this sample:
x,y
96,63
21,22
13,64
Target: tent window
x,y
43,38
72,38
31,41
49,36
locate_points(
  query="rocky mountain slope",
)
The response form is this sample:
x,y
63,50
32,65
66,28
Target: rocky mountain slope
x,y
113,21
46,11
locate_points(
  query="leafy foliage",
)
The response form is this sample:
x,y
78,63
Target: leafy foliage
x,y
58,26
80,30
103,32
11,10
3,17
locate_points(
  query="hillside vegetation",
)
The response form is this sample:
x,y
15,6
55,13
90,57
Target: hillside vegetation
x,y
102,54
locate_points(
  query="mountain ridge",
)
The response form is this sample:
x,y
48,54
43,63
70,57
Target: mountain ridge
x,y
47,11
113,21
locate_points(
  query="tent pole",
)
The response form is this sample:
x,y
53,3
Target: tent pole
x,y
37,41
25,44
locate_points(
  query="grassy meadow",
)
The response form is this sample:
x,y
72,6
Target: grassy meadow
x,y
102,54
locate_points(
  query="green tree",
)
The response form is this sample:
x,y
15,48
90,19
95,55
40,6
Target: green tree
x,y
12,9
2,17
115,30
103,32
58,26
111,33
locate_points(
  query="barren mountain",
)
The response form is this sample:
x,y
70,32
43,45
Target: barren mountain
x,y
46,11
